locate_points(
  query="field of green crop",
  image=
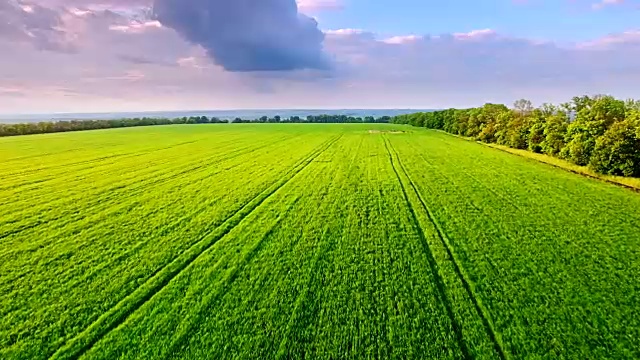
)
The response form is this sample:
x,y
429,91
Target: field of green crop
x,y
308,241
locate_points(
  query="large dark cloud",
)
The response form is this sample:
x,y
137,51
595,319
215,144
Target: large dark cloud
x,y
247,35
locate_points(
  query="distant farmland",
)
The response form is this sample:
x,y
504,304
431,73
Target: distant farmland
x,y
308,241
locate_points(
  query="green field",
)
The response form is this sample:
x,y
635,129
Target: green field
x,y
308,241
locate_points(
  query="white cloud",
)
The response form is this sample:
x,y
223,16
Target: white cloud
x,y
137,26
27,8
346,32
317,5
451,69
406,39
475,34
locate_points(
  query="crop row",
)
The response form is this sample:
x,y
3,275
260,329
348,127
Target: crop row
x,y
60,279
304,241
549,254
330,266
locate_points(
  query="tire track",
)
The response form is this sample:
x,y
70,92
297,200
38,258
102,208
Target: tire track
x,y
440,286
527,229
82,342
481,311
106,170
138,187
90,162
182,337
496,193
297,320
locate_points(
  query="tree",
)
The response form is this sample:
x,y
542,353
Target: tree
x,y
579,103
517,132
490,116
578,150
462,121
594,116
537,125
617,152
632,105
523,106
554,133
474,122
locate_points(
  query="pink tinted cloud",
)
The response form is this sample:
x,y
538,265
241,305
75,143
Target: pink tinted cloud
x,y
604,3
459,69
475,34
317,5
627,38
403,39
92,3
303,5
136,26
483,62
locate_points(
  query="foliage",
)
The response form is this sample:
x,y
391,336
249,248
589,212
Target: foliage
x,y
617,152
80,125
578,131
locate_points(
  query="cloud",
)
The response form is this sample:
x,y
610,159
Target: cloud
x,y
11,91
605,3
93,4
34,24
319,5
475,34
347,32
124,60
247,35
463,69
143,60
136,26
627,38
403,39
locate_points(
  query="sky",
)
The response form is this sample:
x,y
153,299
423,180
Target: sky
x,y
155,55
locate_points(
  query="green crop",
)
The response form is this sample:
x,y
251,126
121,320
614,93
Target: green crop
x,y
308,241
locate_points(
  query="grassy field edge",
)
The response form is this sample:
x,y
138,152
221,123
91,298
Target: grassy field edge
x,y
626,182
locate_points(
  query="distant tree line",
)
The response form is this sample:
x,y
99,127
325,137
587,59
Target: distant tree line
x,y
79,125
600,131
318,119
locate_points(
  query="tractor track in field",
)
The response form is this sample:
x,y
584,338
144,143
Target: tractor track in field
x,y
116,185
89,162
140,187
81,343
481,311
496,193
440,286
296,322
183,336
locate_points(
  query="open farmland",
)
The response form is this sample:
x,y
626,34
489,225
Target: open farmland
x,y
308,241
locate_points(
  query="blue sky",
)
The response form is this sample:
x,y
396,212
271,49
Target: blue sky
x,y
137,55
544,19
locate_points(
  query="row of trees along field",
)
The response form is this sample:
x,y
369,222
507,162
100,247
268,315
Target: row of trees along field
x,y
79,125
600,131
